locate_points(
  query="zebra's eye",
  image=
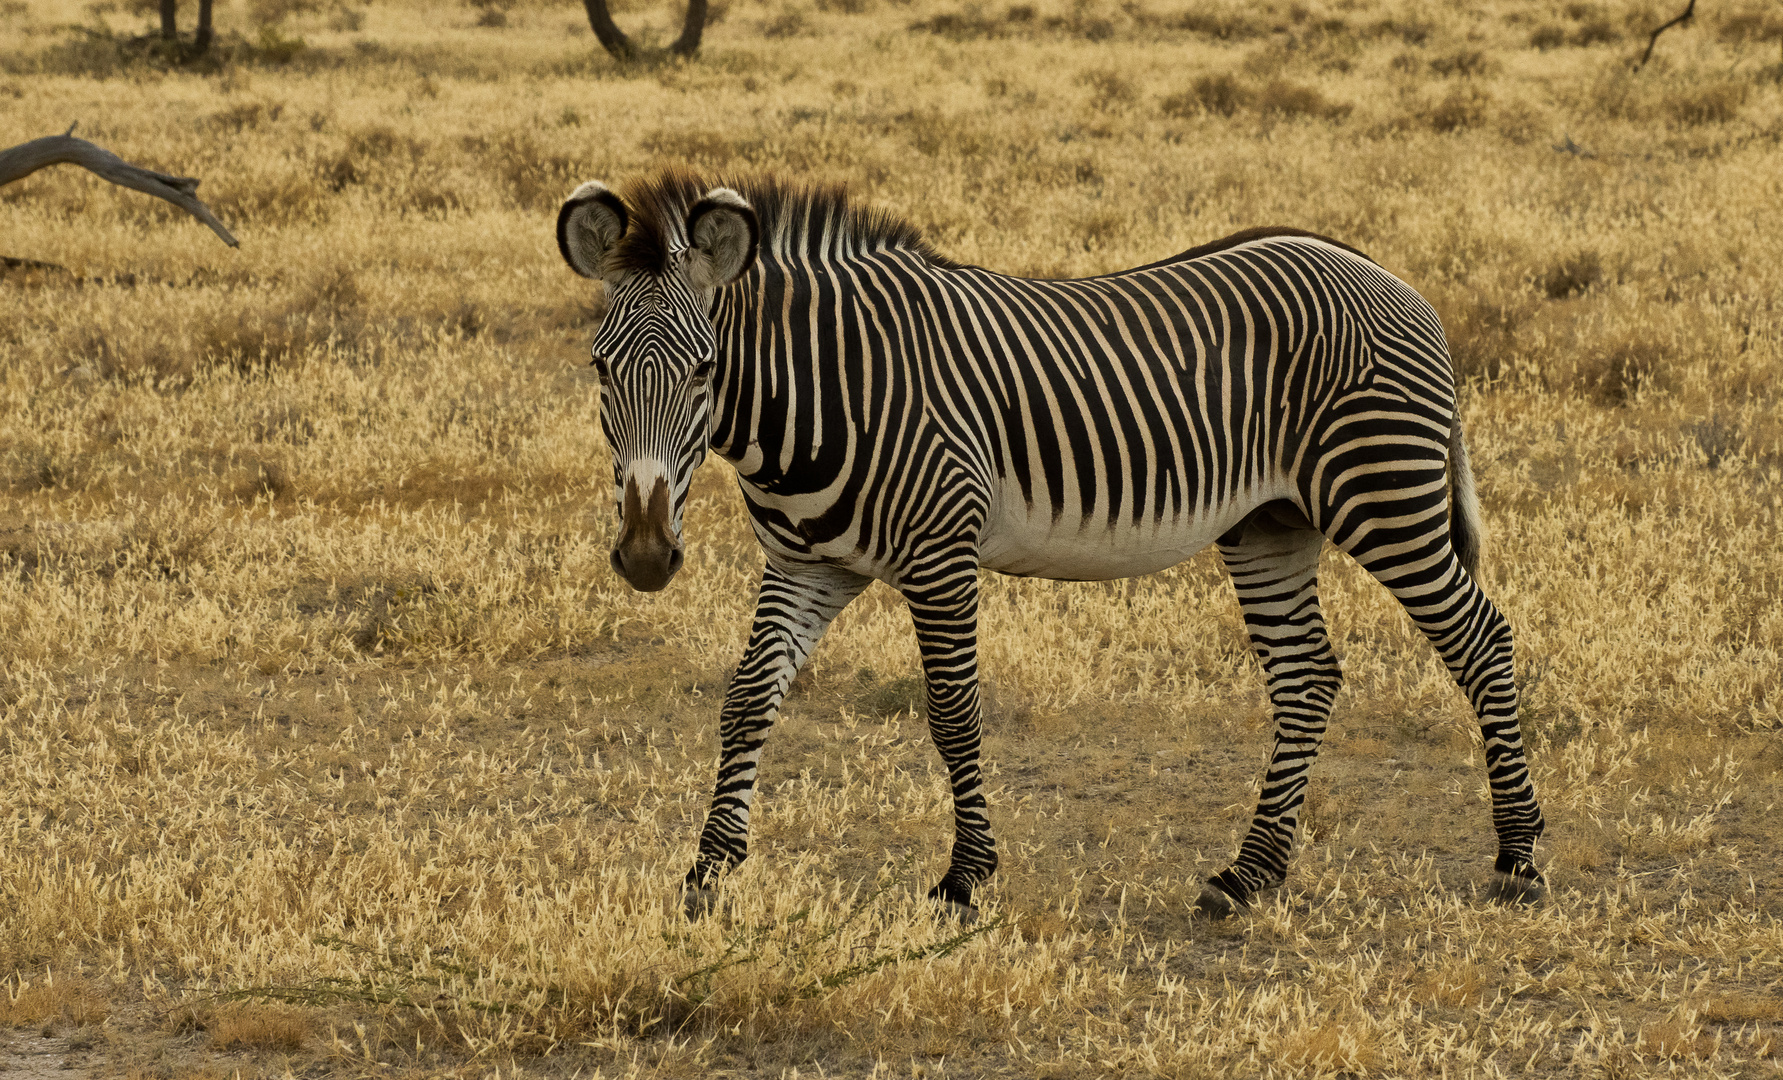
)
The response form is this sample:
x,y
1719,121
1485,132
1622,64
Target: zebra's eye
x,y
702,374
601,370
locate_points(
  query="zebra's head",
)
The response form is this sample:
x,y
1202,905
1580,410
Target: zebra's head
x,y
655,351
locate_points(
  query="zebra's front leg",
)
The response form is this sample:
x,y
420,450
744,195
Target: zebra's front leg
x,y
796,604
1274,567
945,611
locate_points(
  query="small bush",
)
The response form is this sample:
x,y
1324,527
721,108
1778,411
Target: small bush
x,y
1221,94
1752,26
1465,63
1221,25
1596,32
1410,31
1573,275
1286,98
1712,103
788,24
1547,37
1109,89
1615,370
1464,107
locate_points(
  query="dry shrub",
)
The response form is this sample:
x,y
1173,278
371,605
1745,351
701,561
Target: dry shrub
x,y
1284,98
1615,368
288,198
704,146
247,116
1219,94
1464,63
67,999
1547,37
787,24
1676,1039
1711,103
268,480
1333,1046
1456,985
1752,25
536,177
1482,330
1595,31
370,154
1572,275
1414,32
1742,1009
258,1027
1462,108
1230,24
274,12
1109,89
974,25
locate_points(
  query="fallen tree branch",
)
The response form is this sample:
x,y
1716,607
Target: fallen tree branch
x,y
1684,17
26,158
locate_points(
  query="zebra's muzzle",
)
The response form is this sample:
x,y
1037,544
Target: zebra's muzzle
x,y
648,552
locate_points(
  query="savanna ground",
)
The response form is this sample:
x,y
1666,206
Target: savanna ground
x,y
332,746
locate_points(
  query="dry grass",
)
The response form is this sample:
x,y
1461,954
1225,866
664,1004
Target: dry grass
x,y
331,745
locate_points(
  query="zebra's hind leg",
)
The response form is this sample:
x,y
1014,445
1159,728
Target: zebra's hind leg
x,y
795,606
1273,558
1474,641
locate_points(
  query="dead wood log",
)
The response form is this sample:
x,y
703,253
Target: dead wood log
x,y
26,158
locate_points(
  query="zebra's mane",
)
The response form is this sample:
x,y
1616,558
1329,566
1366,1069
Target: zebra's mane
x,y
810,221
797,220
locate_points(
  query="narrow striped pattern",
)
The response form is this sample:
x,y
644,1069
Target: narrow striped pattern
x,y
896,416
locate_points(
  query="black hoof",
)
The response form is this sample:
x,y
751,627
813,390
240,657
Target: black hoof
x,y
950,911
1217,903
1516,889
954,902
698,903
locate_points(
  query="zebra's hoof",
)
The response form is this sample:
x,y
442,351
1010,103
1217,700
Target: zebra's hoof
x,y
698,903
952,911
1217,903
1518,889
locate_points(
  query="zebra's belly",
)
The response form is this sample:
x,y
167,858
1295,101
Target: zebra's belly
x,y
1028,543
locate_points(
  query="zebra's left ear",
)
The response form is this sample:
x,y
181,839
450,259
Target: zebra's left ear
x,y
723,235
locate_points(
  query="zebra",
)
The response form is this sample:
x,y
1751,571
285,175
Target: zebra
x,y
894,415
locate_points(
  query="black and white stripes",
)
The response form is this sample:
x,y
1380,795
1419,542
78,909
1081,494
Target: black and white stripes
x,y
894,415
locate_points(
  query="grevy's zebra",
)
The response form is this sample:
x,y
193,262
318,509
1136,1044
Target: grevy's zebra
x,y
895,415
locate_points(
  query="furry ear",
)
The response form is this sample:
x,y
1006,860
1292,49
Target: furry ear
x,y
588,226
723,235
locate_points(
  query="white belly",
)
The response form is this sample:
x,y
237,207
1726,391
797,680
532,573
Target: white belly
x,y
1028,543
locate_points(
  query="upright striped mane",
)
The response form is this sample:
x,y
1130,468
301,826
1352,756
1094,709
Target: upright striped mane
x,y
799,222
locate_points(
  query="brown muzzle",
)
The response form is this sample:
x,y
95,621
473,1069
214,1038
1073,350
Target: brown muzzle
x,y
648,553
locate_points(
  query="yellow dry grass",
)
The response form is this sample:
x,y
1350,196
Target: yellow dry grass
x,y
331,744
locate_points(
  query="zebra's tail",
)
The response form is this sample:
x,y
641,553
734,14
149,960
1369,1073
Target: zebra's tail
x,y
1467,530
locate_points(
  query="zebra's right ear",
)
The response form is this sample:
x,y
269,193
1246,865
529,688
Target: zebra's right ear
x,y
588,226
723,236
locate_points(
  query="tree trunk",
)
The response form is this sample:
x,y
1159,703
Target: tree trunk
x,y
615,42
611,37
201,42
689,41
26,158
170,30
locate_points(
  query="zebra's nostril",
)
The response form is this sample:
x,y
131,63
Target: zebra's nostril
x,y
675,560
618,563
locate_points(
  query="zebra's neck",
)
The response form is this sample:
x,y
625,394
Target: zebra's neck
x,y
795,384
